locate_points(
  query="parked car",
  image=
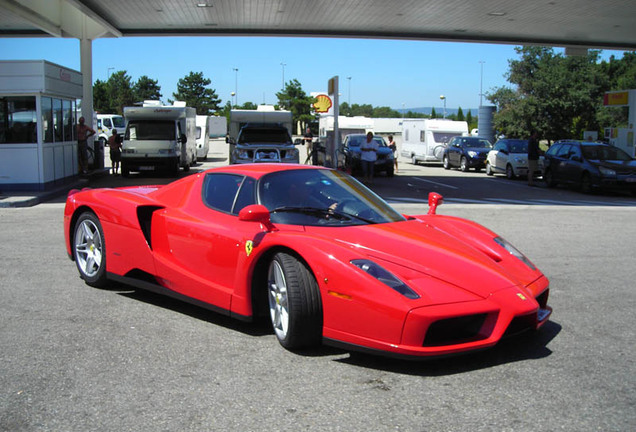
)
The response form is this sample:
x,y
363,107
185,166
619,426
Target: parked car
x,y
510,157
313,249
589,165
352,153
466,152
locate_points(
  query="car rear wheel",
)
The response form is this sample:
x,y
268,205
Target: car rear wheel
x,y
446,162
89,250
489,169
463,164
510,173
294,302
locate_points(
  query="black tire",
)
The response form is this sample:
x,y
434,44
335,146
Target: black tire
x,y
89,249
446,163
294,302
548,178
125,171
510,172
463,164
413,160
489,169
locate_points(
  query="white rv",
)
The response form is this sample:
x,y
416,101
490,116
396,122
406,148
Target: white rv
x,y
105,125
261,135
203,137
159,137
424,140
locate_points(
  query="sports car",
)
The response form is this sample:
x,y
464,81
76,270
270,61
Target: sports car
x,y
315,250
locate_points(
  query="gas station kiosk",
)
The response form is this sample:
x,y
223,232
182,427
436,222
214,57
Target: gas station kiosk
x,y
38,105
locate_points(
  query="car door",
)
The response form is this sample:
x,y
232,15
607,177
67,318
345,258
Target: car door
x,y
501,158
203,241
573,165
454,152
559,163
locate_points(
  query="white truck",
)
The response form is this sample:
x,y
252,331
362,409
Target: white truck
x,y
105,125
261,135
424,140
159,137
203,136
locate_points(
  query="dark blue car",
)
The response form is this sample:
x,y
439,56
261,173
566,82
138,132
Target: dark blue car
x,y
352,153
466,152
589,166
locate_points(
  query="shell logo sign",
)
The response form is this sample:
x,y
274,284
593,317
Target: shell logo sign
x,y
323,103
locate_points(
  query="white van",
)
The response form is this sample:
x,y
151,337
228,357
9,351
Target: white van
x,y
424,140
105,125
203,137
159,137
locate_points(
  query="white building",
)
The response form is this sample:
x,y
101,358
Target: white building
x,y
38,146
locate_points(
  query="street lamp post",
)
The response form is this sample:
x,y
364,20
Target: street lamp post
x,y
235,86
110,69
442,97
283,66
349,78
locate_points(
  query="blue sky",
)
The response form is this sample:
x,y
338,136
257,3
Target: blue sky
x,y
390,73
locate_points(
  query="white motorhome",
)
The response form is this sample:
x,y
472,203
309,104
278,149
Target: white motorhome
x,y
424,140
159,137
261,135
203,137
217,127
105,125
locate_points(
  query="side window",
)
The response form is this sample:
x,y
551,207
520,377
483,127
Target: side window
x,y
553,150
246,195
422,136
563,151
406,134
500,146
575,152
219,191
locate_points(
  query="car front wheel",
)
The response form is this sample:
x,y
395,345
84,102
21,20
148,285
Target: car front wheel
x,y
548,178
294,302
89,250
586,184
446,162
489,169
510,173
463,165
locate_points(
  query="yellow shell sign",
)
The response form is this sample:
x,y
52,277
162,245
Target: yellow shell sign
x,y
323,103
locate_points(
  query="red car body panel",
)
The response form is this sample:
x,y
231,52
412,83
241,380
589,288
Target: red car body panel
x,y
200,253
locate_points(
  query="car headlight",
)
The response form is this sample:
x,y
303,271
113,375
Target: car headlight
x,y
520,160
514,251
607,171
241,154
472,154
386,277
291,153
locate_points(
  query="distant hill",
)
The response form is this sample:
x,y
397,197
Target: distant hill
x,y
438,110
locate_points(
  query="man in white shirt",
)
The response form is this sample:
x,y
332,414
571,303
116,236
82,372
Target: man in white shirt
x,y
368,157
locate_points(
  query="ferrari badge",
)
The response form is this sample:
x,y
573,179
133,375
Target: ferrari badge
x,y
248,247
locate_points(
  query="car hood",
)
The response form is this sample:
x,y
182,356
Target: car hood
x,y
381,150
264,144
418,251
480,149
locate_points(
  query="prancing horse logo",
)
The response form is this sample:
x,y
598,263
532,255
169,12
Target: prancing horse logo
x,y
249,245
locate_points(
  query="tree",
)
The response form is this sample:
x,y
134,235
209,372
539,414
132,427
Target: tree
x,y
146,89
101,101
433,113
460,114
119,91
248,106
294,99
192,89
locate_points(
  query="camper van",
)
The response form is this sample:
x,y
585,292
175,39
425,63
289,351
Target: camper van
x,y
203,137
159,137
105,125
424,140
261,135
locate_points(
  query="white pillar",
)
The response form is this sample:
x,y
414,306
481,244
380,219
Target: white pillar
x,y
86,58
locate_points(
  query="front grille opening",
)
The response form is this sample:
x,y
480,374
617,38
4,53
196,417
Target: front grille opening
x,y
542,299
455,330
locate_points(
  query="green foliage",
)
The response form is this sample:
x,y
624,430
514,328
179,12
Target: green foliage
x,y
294,99
433,113
101,101
146,89
460,114
120,92
193,90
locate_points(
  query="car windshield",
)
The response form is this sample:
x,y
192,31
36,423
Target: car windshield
x,y
322,197
475,143
150,130
119,123
262,135
358,140
602,152
518,146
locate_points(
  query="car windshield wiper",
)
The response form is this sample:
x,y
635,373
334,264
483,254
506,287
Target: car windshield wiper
x,y
321,212
351,215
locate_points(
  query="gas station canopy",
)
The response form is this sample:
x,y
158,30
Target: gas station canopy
x,y
574,24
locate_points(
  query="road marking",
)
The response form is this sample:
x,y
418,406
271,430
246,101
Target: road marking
x,y
436,183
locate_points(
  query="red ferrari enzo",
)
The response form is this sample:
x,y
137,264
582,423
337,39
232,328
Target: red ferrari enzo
x,y
327,259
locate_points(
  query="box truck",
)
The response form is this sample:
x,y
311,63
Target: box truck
x,y
261,135
159,137
203,137
424,140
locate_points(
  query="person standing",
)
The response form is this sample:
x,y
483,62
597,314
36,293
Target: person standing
x,y
533,156
393,148
83,134
368,157
308,138
115,144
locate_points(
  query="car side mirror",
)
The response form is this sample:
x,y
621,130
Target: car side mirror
x,y
299,141
434,200
256,213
